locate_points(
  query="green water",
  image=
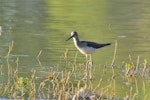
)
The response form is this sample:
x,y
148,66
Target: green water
x,y
44,25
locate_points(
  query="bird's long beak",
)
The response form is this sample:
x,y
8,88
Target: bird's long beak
x,y
69,38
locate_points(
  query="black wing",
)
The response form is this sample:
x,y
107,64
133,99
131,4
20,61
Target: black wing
x,y
95,45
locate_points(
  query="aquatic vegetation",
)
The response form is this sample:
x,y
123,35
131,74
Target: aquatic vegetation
x,y
71,84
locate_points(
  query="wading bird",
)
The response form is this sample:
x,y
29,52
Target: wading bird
x,y
86,47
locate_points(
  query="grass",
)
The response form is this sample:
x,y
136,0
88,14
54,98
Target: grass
x,y
69,84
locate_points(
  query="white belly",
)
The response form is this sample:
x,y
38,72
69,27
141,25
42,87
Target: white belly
x,y
84,50
87,50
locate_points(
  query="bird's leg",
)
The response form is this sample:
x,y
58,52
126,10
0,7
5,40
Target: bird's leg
x,y
90,66
90,61
86,61
86,64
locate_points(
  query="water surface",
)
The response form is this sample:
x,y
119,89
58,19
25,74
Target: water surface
x,y
37,25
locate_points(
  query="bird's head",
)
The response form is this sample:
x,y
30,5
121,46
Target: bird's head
x,y
73,34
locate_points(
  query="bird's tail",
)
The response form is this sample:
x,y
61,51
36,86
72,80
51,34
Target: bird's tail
x,y
107,44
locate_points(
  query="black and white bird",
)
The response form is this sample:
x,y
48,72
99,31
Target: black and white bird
x,y
86,47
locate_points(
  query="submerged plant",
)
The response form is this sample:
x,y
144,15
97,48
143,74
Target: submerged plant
x,y
23,83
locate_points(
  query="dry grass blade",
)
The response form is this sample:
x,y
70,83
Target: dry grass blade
x,y
10,49
115,51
